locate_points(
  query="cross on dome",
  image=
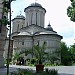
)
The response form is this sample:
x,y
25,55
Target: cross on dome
x,y
20,12
36,0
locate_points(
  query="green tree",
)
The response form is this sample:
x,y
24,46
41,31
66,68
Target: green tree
x,y
72,52
39,52
16,56
71,11
65,55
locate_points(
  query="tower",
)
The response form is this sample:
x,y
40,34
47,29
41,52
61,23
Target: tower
x,y
18,23
35,14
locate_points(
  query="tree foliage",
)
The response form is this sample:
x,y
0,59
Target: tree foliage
x,y
72,51
71,11
65,55
39,52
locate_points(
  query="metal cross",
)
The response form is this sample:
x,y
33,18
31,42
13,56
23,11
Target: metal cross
x,y
20,12
36,0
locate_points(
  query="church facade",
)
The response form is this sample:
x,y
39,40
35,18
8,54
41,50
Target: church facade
x,y
28,31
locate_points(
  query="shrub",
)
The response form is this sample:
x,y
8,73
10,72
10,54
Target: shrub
x,y
23,72
33,61
51,71
31,72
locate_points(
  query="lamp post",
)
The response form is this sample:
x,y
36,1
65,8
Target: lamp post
x,y
9,37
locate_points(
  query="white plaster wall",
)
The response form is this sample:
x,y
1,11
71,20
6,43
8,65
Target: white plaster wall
x,y
40,16
27,42
15,24
53,43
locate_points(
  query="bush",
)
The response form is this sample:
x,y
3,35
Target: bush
x,y
23,72
33,61
30,72
51,71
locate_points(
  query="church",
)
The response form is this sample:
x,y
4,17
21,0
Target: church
x,y
28,30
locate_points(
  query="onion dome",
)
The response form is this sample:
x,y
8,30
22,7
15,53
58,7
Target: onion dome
x,y
49,27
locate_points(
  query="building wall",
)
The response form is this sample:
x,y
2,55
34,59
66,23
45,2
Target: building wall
x,y
17,25
35,16
53,43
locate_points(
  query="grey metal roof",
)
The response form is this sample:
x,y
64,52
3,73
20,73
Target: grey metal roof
x,y
35,5
19,17
24,33
49,27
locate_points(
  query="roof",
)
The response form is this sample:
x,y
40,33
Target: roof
x,y
37,33
28,34
49,27
35,5
19,17
24,33
50,33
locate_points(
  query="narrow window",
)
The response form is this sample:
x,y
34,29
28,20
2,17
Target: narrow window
x,y
31,18
22,26
36,18
17,27
22,42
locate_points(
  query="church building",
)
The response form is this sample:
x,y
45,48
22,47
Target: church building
x,y
28,31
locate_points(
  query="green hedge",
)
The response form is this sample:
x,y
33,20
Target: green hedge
x,y
31,72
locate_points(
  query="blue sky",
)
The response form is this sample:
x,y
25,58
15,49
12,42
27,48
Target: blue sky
x,y
56,14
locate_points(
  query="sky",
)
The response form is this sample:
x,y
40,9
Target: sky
x,y
56,14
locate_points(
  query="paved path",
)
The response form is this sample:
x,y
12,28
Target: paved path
x,y
62,70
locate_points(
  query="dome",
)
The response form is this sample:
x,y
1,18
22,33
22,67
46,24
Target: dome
x,y
20,16
49,27
36,4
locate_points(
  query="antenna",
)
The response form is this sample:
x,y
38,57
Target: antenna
x,y
49,24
